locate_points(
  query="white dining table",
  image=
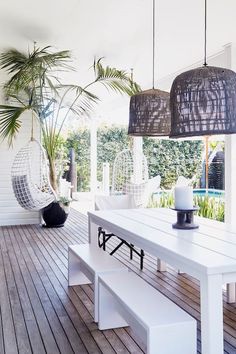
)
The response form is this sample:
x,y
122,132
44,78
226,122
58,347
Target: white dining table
x,y
207,253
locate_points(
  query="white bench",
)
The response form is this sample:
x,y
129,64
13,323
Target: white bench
x,y
163,326
85,263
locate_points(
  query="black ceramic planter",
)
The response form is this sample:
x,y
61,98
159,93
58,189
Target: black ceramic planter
x,y
54,215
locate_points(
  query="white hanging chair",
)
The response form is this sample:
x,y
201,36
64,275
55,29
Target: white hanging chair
x,y
30,177
127,178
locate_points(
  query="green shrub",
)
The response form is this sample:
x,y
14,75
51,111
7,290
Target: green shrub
x,y
166,158
209,207
171,159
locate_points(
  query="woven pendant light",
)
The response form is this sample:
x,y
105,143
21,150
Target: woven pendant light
x,y
149,113
203,101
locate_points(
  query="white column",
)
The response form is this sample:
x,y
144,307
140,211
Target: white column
x,y
230,196
230,156
106,178
93,157
137,155
230,178
230,169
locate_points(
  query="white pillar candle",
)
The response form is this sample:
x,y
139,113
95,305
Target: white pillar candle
x,y
184,197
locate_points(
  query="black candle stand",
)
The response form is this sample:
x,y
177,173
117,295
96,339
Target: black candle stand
x,y
185,219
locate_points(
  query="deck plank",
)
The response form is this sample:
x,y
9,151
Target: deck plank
x,y
46,331
30,320
9,335
1,335
40,314
34,270
22,337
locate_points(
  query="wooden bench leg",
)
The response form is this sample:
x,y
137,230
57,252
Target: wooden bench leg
x,y
108,310
76,275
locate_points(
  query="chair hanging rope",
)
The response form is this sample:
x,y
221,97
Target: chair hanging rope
x,y
30,177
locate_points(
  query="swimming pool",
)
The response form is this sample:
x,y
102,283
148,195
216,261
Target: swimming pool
x,y
201,192
216,193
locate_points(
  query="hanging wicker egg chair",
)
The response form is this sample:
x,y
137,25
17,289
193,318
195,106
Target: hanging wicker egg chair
x,y
30,177
124,180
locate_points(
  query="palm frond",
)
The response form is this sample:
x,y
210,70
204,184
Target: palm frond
x,y
80,99
54,88
35,85
83,108
84,101
78,90
59,60
9,121
29,69
12,60
117,80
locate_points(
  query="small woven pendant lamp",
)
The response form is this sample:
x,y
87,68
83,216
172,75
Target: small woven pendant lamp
x,y
203,100
149,113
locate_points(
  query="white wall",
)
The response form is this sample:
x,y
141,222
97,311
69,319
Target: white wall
x,y
11,213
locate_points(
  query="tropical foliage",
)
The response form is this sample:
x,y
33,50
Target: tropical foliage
x,y
111,140
168,158
209,207
35,85
80,142
171,159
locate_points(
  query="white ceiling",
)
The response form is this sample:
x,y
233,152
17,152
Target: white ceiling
x,y
121,31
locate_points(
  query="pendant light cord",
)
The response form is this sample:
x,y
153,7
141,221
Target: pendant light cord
x,y
205,36
153,41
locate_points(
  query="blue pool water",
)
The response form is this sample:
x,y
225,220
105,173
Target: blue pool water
x,y
209,192
215,193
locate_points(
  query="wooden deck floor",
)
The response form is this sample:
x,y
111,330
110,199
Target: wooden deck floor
x,y
40,314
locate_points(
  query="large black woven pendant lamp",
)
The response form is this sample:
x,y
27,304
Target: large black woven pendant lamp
x,y
203,100
149,113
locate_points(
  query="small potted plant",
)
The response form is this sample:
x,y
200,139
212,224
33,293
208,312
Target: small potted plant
x,y
65,204
56,213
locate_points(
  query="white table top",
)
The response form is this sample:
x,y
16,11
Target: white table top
x,y
211,249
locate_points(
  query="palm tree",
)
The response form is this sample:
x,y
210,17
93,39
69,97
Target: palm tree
x,y
35,86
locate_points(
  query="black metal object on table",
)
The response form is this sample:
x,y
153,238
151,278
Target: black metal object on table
x,y
185,219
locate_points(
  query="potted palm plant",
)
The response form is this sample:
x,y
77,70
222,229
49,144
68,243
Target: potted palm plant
x,y
34,85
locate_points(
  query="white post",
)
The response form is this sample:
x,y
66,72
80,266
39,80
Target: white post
x,y
93,157
106,178
230,156
137,154
230,177
230,169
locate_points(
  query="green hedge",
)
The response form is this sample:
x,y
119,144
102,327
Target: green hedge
x,y
167,158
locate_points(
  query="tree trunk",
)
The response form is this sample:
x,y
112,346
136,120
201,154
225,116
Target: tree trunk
x,y
52,175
